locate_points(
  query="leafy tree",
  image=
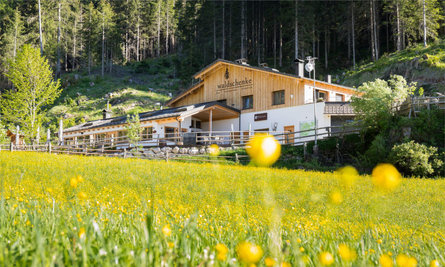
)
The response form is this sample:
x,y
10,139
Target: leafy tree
x,y
34,89
378,100
134,130
3,135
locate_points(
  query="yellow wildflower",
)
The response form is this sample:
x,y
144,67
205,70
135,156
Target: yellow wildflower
x,y
214,150
166,230
285,264
249,253
348,175
82,195
406,261
386,261
269,262
73,182
326,258
221,252
386,177
263,149
336,198
346,253
82,232
434,263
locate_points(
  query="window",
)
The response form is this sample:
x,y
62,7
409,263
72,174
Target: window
x,y
248,102
198,124
278,97
147,133
339,97
170,132
321,95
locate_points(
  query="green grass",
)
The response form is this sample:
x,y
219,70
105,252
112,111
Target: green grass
x,y
425,65
138,87
115,215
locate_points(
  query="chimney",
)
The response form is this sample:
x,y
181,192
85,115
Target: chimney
x,y
106,113
300,69
329,78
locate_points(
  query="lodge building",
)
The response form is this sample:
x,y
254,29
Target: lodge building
x,y
232,97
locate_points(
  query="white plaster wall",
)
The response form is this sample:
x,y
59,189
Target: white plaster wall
x,y
287,117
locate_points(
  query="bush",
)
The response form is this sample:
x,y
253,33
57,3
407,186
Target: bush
x,y
416,159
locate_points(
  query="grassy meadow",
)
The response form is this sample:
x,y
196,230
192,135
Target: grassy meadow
x,y
74,210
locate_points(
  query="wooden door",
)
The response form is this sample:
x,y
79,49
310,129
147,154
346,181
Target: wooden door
x,y
289,138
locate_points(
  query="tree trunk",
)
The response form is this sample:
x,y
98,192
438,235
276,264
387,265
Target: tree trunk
x,y
230,31
223,44
243,34
40,30
296,30
167,34
274,44
376,30
158,52
353,33
326,42
58,42
280,57
103,44
424,24
214,30
371,28
399,35
74,42
89,44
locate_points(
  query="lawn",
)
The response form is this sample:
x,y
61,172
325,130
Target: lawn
x,y
74,210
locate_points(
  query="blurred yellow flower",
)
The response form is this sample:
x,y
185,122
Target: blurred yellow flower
x,y
82,232
346,253
73,182
386,177
348,175
171,244
166,230
336,197
214,150
79,179
221,250
301,249
249,253
263,149
434,263
82,195
326,258
379,241
403,260
386,261
285,264
269,262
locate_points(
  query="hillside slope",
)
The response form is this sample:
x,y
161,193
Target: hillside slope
x,y
426,66
139,87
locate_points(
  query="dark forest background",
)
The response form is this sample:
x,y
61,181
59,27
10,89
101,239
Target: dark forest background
x,y
94,36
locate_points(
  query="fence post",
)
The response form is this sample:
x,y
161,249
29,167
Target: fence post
x,y
166,155
305,150
337,152
49,147
236,158
125,152
11,146
102,148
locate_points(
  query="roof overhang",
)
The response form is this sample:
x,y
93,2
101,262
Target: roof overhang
x,y
190,90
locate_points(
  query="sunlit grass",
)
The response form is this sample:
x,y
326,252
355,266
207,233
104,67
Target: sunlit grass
x,y
70,210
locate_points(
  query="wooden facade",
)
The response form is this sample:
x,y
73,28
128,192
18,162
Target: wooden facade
x,y
229,82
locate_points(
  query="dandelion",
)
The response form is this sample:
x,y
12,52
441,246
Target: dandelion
x,y
269,262
326,258
386,177
166,230
214,150
434,263
73,182
386,261
82,195
336,198
379,241
346,253
263,149
285,264
82,232
348,175
406,261
249,253
79,179
171,244
221,252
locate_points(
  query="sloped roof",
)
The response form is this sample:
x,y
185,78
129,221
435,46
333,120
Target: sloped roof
x,y
183,111
209,67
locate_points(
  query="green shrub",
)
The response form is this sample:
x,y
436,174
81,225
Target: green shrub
x,y
416,159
